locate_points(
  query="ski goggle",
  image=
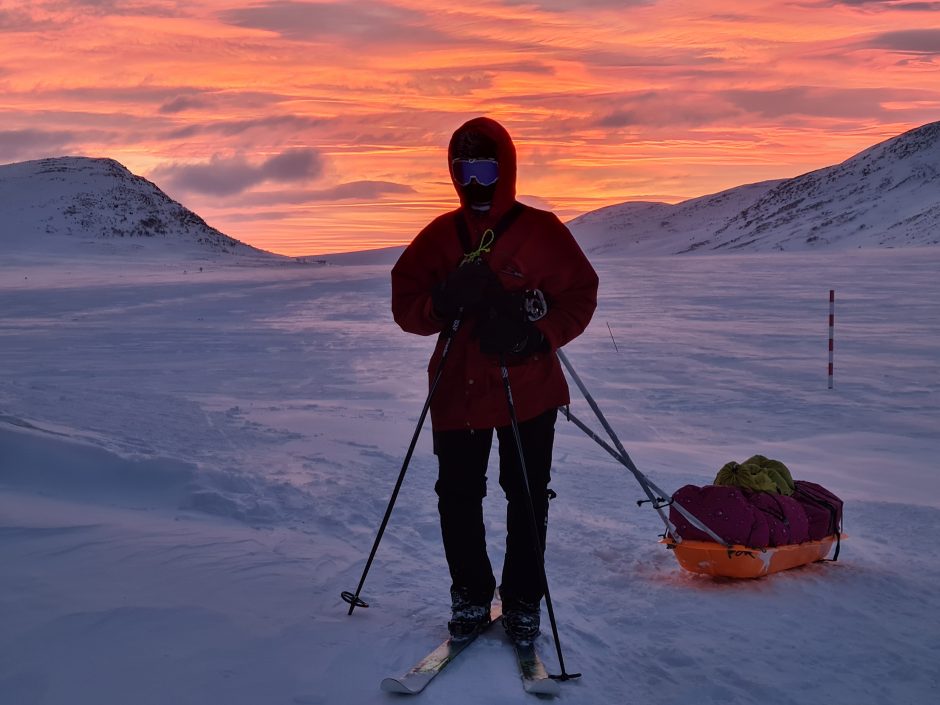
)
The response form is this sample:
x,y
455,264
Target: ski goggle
x,y
484,171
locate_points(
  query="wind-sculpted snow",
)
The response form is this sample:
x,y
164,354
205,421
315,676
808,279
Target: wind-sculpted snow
x,y
193,466
59,465
886,196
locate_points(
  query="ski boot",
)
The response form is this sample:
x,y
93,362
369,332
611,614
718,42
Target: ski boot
x,y
521,620
467,618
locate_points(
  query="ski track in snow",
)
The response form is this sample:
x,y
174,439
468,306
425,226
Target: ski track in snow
x,y
193,465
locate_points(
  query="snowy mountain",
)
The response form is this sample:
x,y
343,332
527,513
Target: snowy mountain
x,y
886,196
68,204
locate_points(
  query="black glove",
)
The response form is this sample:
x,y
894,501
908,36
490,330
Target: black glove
x,y
465,288
506,325
510,336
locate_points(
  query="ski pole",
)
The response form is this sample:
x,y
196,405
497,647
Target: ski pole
x,y
353,598
536,537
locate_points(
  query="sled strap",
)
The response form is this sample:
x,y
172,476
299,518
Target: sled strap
x,y
833,521
624,458
649,486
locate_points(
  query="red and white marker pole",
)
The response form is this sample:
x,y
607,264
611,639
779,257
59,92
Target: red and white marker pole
x,y
832,321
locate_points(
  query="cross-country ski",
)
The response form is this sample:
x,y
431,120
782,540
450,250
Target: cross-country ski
x,y
417,679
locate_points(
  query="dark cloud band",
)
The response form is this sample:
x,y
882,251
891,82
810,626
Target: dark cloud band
x,y
341,22
227,176
16,145
914,41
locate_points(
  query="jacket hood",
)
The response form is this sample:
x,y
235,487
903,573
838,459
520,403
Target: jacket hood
x,y
505,193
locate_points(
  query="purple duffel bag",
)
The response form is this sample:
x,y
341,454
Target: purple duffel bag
x,y
724,510
823,509
786,519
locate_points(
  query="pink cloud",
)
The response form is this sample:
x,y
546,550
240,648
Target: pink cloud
x,y
810,100
348,191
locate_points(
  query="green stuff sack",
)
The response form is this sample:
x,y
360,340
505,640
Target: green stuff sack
x,y
757,473
747,476
778,472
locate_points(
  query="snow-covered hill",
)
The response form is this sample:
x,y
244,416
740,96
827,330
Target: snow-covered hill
x,y
886,196
66,205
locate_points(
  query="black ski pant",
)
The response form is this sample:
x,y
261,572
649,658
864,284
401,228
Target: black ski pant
x,y
461,486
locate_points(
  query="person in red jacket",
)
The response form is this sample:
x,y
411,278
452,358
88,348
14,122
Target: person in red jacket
x,y
520,287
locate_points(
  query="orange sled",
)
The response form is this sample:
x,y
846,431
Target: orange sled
x,y
739,561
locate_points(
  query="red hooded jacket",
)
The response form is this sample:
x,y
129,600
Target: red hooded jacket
x,y
536,251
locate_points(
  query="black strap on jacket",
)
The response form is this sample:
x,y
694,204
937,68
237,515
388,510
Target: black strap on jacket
x,y
490,235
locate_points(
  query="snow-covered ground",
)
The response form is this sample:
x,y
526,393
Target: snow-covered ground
x,y
193,465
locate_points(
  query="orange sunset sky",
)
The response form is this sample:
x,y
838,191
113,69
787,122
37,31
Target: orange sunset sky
x,y
315,127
